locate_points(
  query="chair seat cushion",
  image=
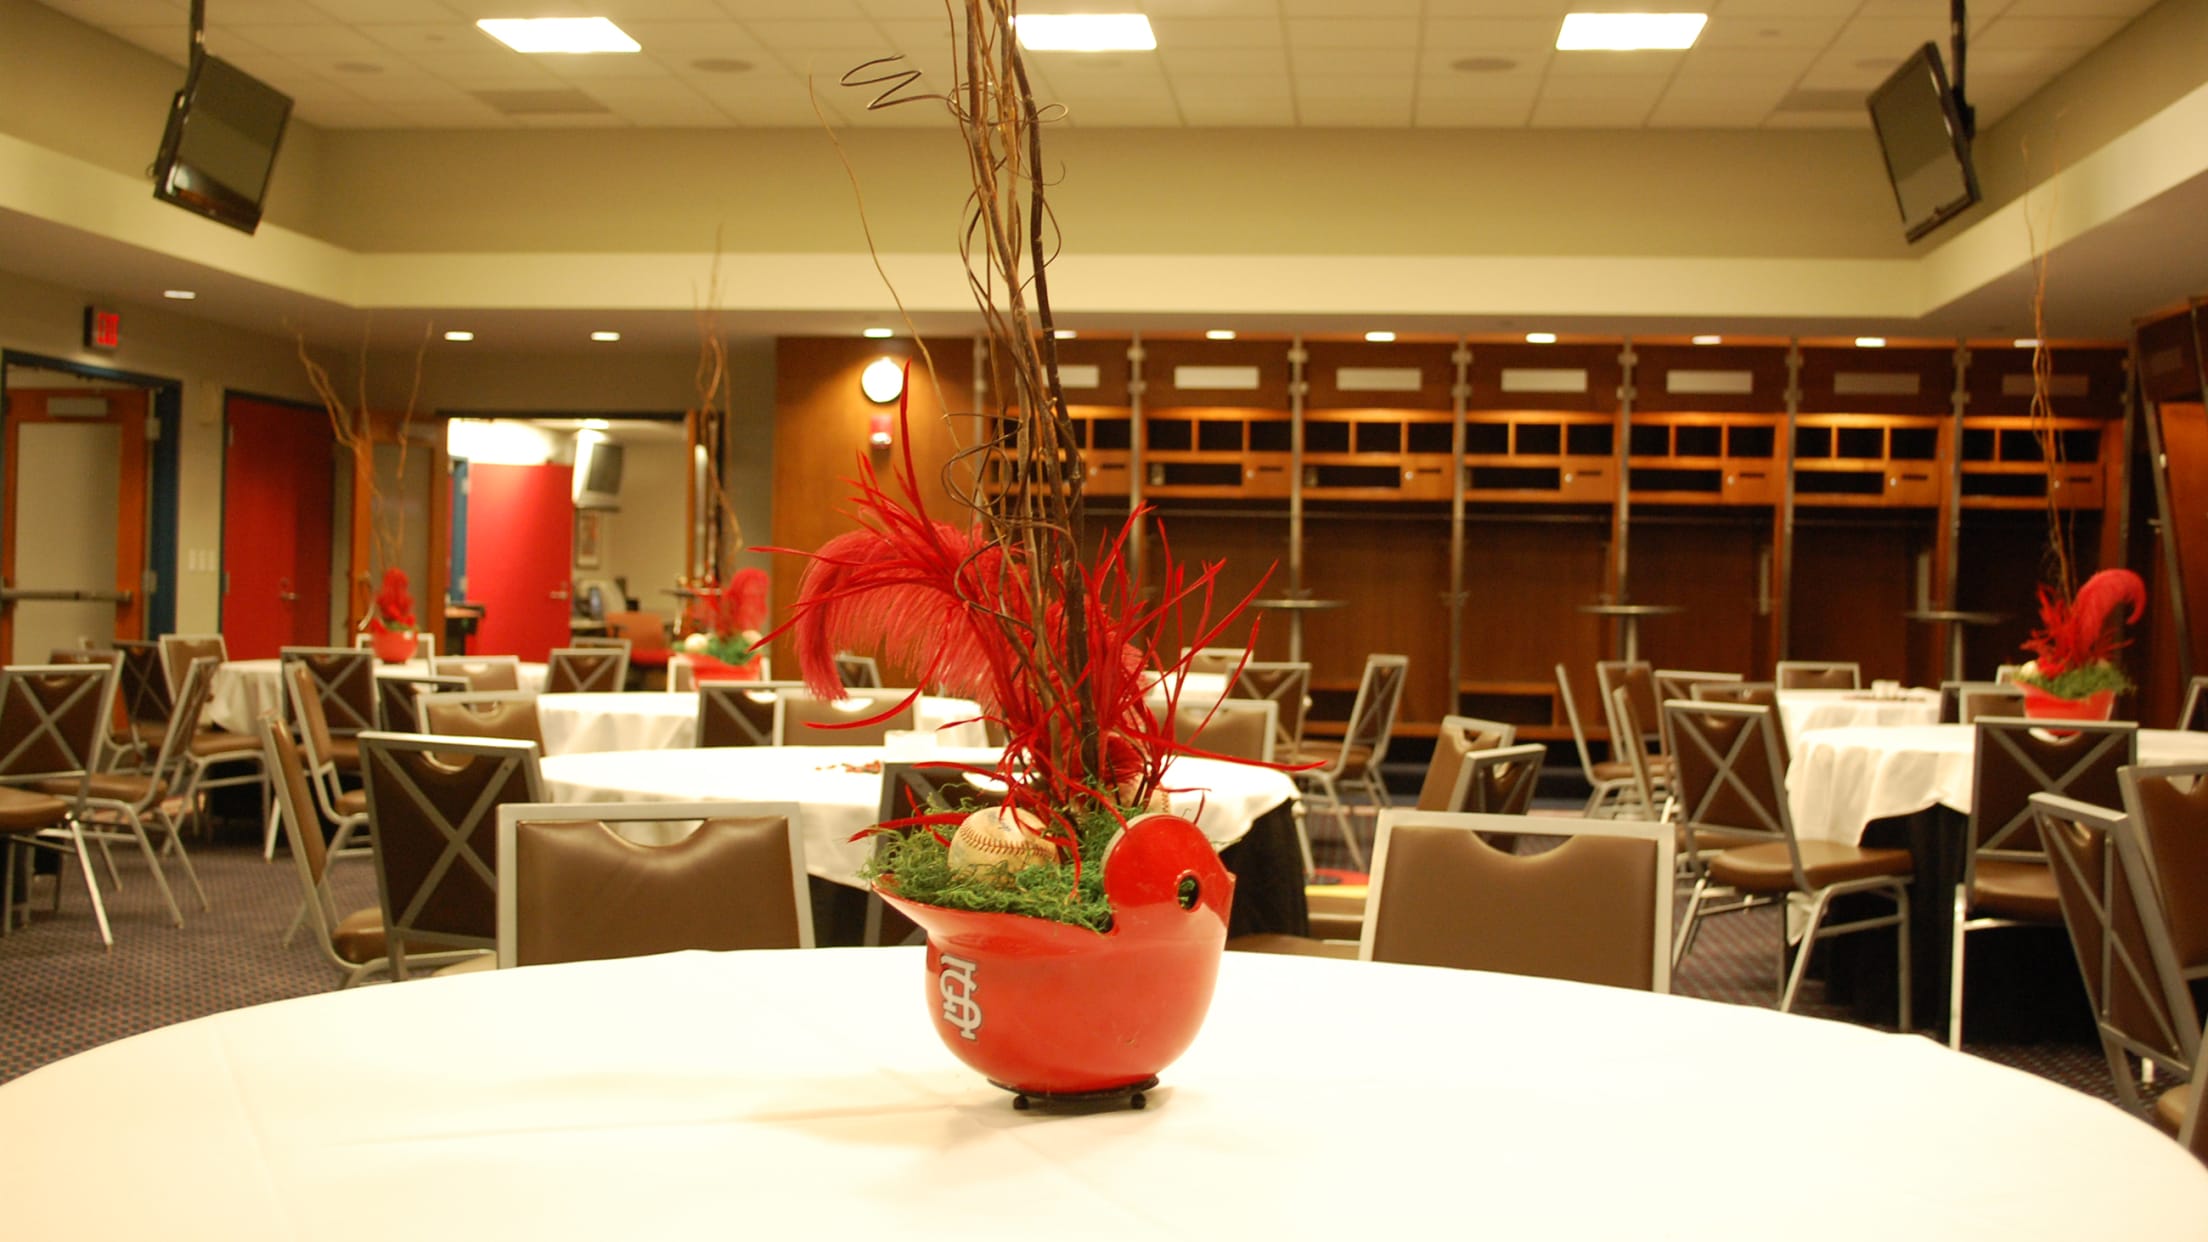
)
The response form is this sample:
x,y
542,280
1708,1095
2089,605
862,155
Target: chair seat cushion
x,y
352,802
108,786
24,811
1715,840
2003,889
360,938
214,743
1766,868
345,753
1613,770
2169,1110
1300,946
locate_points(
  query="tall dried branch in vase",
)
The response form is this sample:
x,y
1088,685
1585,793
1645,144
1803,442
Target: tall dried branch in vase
x,y
352,429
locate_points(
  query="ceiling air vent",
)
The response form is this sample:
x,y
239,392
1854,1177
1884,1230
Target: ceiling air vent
x,y
568,102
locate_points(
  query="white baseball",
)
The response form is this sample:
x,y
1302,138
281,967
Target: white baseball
x,y
992,836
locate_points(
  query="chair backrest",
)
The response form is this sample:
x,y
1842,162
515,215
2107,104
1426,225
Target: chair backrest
x,y
2168,807
1216,661
2006,673
1236,728
1638,678
53,719
914,788
2017,758
425,644
572,889
1596,909
1502,781
1963,702
2193,716
302,827
2140,1001
509,714
176,744
1758,693
1728,774
740,713
582,670
1571,717
1637,763
1287,683
179,650
1379,699
344,679
482,672
858,672
144,688
433,811
646,631
1818,675
802,720
317,742
398,699
599,640
1678,683
1447,776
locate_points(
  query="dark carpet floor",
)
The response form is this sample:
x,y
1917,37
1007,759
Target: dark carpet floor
x,y
60,992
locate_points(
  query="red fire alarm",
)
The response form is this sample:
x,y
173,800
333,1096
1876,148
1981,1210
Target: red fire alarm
x,y
103,329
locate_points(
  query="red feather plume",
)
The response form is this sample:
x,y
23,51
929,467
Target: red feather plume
x,y
2076,633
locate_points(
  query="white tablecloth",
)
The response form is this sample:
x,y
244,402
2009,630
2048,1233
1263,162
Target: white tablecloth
x,y
660,720
1842,779
243,689
804,1093
1800,711
1224,799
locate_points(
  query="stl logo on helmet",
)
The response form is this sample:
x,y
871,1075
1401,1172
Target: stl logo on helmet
x,y
956,985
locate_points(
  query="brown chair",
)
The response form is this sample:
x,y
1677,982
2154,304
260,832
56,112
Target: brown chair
x,y
1758,693
482,672
510,714
1608,782
2006,882
858,672
218,758
1679,683
2179,1110
1448,776
1732,780
346,809
1818,675
1363,747
1216,661
398,699
572,889
432,807
1287,684
2106,891
2168,806
802,720
355,944
179,650
585,670
53,721
2193,716
740,713
343,681
1236,728
1637,678
1596,909
1963,702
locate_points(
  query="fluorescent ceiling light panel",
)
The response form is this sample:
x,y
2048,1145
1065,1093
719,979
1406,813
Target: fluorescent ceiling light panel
x,y
1065,334
564,35
1219,334
1379,338
605,336
1870,342
178,295
1629,32
2025,343
878,334
459,336
1085,32
1540,338
1708,339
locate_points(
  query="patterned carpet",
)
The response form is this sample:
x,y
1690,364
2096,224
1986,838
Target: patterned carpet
x,y
63,993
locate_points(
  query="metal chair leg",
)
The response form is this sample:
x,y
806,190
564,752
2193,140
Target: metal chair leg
x,y
1955,973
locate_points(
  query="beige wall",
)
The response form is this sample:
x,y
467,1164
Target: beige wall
x,y
643,542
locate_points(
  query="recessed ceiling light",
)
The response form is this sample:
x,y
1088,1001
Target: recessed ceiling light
x,y
1065,334
1484,64
459,336
181,295
571,36
879,334
1540,338
605,336
1870,342
1379,338
1629,32
2026,342
1085,32
1708,339
1219,334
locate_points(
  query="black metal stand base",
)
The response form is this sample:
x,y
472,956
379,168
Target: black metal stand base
x,y
1133,1095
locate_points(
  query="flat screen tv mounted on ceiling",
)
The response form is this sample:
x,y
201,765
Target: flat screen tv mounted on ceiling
x,y
224,128
1924,140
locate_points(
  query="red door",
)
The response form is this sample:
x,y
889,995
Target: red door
x,y
521,527
276,515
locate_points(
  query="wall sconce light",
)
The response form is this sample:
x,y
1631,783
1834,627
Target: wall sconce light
x,y
882,381
877,430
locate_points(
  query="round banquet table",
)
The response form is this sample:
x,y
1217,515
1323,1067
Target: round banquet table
x,y
664,719
804,1092
1839,780
1800,711
838,789
243,689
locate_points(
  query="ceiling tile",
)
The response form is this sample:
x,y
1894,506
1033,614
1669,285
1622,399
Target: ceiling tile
x,y
1491,35
748,10
1270,88
2043,33
816,35
780,113
434,37
1355,113
313,38
1227,112
2126,9
1320,32
1211,8
164,40
1673,113
1756,32
1760,93
1641,91
625,11
1614,64
1726,9
1818,120
1397,90
337,114
263,12
1522,88
1207,61
1721,63
1437,64
1587,114
1350,8
1552,9
105,13
692,40
899,10
383,89
603,67
468,114
492,64
1125,113
1356,61
1218,32
382,12
1475,113
1899,35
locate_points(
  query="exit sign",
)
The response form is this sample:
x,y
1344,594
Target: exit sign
x,y
103,329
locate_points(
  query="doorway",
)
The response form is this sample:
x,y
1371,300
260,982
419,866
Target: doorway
x,y
277,517
89,496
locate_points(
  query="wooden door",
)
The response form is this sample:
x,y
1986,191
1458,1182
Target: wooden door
x,y
521,527
74,557
276,528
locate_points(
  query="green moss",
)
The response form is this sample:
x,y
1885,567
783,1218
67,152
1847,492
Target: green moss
x,y
1044,891
2077,683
